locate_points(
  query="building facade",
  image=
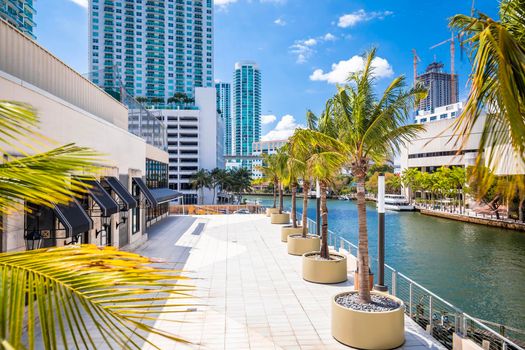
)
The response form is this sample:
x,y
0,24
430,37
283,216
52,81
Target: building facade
x,y
20,14
439,85
194,142
71,109
246,118
260,148
157,48
224,105
444,112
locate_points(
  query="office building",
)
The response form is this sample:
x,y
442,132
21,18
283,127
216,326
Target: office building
x,y
194,142
224,106
20,14
157,48
439,85
131,192
246,118
260,148
444,112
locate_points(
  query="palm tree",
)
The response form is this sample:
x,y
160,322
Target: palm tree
x,y
497,51
240,181
297,169
56,292
218,178
327,157
408,180
269,171
199,180
281,172
372,129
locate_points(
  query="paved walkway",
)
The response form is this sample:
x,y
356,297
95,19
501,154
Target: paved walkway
x,y
252,289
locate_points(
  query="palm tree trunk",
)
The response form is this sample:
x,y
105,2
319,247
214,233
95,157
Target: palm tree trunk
x,y
306,189
275,184
280,198
520,210
324,220
294,207
362,259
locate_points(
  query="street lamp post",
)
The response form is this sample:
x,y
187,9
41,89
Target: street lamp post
x,y
318,208
380,286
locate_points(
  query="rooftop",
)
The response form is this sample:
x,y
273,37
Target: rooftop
x,y
253,292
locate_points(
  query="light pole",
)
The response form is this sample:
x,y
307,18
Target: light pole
x,y
318,208
380,286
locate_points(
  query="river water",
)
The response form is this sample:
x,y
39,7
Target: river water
x,y
479,269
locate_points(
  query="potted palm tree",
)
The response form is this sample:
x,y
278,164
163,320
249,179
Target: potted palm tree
x,y
372,131
327,157
281,171
296,168
268,168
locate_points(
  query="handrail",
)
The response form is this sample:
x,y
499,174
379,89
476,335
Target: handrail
x,y
433,310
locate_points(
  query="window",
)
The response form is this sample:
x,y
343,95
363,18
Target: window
x,y
135,212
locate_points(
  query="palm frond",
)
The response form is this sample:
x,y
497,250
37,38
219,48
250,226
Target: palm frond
x,y
74,295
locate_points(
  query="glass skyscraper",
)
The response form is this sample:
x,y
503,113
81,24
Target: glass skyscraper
x,y
19,13
246,119
439,85
224,105
155,47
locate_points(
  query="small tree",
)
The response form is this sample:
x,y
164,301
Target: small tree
x,y
199,180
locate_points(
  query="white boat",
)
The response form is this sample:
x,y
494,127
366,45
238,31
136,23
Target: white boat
x,y
397,202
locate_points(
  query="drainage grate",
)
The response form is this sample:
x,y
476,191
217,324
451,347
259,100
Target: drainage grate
x,y
198,230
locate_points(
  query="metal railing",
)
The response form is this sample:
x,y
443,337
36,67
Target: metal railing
x,y
434,314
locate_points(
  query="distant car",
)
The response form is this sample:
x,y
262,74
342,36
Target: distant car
x,y
242,211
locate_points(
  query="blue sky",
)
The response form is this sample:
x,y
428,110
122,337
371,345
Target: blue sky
x,y
302,46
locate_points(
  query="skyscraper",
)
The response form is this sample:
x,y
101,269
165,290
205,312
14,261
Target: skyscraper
x,y
246,119
19,13
439,85
157,48
224,105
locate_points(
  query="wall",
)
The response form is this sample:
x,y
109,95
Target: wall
x,y
25,59
65,123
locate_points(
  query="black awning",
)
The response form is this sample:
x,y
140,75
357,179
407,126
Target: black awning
x,y
116,186
163,195
107,204
145,191
73,217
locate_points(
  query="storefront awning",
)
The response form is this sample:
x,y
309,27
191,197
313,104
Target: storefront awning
x,y
145,191
106,203
163,195
116,186
73,217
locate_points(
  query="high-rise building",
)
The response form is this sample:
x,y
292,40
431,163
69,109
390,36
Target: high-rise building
x,y
439,85
19,13
246,118
224,105
158,48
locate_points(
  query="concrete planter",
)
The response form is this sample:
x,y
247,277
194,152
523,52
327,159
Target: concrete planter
x,y
270,211
368,330
325,271
297,245
280,219
289,230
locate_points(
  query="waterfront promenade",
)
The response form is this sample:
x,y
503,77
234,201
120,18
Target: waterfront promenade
x,y
250,290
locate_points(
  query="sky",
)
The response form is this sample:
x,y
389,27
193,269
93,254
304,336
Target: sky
x,y
303,47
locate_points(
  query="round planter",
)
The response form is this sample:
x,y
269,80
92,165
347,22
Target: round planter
x,y
368,330
297,245
325,271
280,219
270,211
289,230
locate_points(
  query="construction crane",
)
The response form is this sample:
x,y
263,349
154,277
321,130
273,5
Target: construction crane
x,y
416,60
452,68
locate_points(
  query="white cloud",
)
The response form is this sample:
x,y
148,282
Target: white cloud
x,y
268,119
351,19
280,22
224,3
304,49
329,37
83,3
341,70
283,130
